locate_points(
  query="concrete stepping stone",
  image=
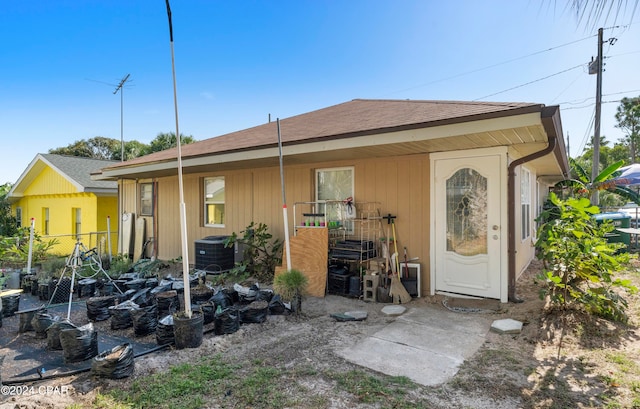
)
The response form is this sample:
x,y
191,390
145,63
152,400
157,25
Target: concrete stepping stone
x,y
506,326
393,310
357,315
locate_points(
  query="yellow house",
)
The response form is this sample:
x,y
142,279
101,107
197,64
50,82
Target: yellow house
x,y
56,194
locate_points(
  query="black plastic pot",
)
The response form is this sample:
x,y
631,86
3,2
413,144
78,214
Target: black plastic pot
x,y
188,332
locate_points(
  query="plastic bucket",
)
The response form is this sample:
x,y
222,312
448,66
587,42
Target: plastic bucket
x,y
13,279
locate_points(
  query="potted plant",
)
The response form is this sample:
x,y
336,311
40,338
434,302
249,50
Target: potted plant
x,y
45,277
188,330
202,291
291,285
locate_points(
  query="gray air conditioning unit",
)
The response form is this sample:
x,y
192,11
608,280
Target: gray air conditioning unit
x,y
213,256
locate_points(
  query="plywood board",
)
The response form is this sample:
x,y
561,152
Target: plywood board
x,y
127,230
309,250
138,239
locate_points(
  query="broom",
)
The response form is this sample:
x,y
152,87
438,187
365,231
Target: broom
x,y
397,292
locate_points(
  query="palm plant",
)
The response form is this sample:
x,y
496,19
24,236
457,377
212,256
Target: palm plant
x,y
291,285
582,185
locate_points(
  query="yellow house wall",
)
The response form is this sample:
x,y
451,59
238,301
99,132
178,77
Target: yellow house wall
x,y
49,182
61,217
400,184
50,190
107,218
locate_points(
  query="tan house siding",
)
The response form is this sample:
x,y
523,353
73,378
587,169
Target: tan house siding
x,y
399,184
388,143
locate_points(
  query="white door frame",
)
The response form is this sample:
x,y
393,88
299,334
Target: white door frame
x,y
462,154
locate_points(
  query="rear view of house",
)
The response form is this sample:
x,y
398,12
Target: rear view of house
x,y
464,181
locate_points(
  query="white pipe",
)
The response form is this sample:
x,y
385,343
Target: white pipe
x,y
74,267
285,217
30,256
109,237
183,211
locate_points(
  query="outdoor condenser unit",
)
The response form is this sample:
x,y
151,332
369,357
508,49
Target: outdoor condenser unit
x,y
212,255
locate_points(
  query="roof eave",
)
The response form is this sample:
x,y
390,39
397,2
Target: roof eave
x,y
169,166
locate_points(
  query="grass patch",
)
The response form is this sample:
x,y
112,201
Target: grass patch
x,y
182,386
257,385
389,392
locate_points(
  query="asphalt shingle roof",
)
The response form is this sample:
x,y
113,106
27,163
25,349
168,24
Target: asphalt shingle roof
x,y
79,170
356,117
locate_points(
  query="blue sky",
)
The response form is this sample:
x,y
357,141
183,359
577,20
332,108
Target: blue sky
x,y
239,61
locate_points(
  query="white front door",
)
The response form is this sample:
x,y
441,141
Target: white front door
x,y
467,231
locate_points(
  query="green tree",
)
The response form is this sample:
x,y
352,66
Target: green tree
x,y
132,149
8,222
167,141
98,147
620,151
605,159
628,120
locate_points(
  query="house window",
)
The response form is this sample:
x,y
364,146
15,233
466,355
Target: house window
x,y
146,199
214,201
525,203
76,219
334,184
19,217
45,221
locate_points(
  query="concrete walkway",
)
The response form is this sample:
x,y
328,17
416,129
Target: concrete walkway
x,y
427,345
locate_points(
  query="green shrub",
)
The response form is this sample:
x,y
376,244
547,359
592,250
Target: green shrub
x,y
120,264
579,262
262,253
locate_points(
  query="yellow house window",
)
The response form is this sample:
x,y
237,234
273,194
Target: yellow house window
x,y
19,217
146,199
214,201
45,221
76,217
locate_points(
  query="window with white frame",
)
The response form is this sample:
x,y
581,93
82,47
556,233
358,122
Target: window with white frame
x,y
146,199
525,203
334,184
214,201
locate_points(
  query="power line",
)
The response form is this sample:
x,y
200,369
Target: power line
x,y
590,105
530,82
493,65
582,101
583,144
568,86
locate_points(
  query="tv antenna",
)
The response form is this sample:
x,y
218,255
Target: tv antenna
x,y
120,88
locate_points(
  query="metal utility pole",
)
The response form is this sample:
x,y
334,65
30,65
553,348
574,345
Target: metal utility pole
x,y
121,89
597,67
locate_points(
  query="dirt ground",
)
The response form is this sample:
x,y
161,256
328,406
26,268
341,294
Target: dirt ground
x,y
550,364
